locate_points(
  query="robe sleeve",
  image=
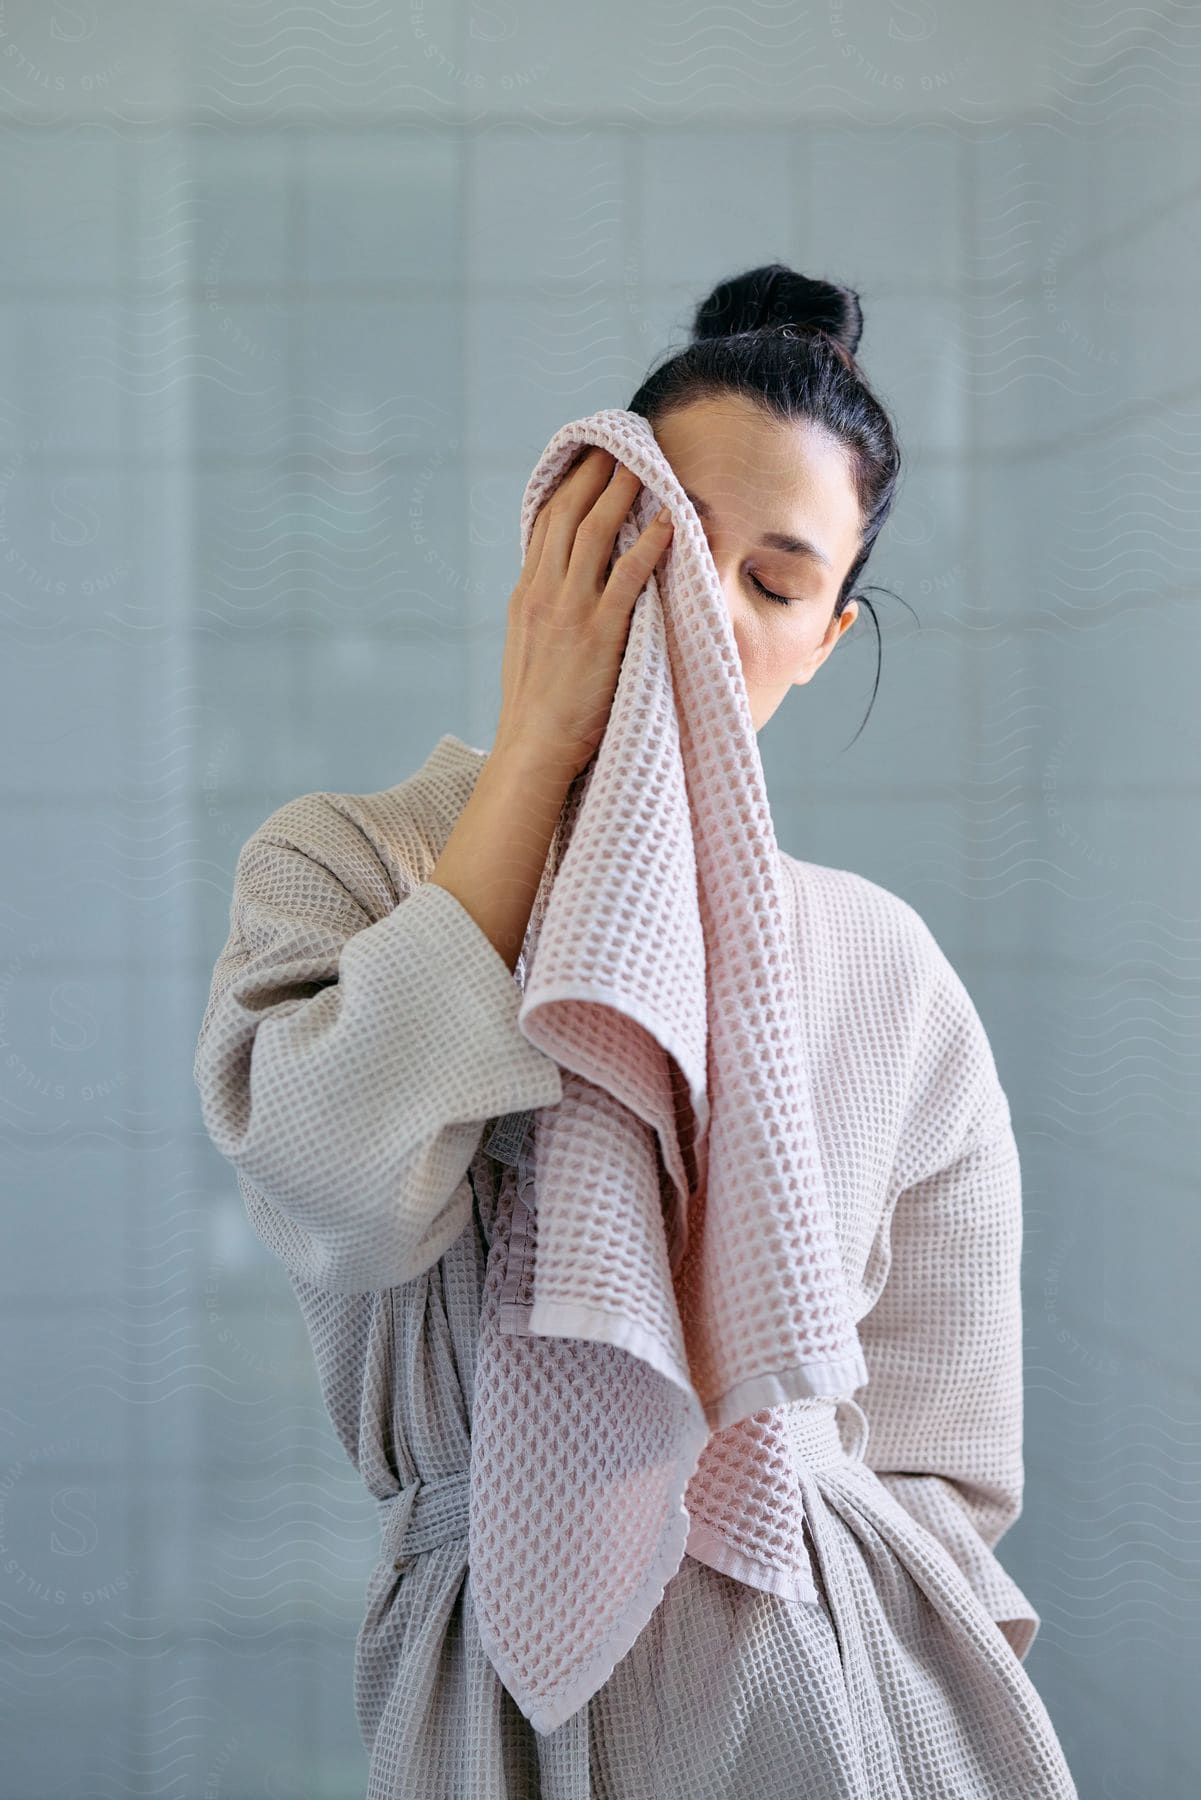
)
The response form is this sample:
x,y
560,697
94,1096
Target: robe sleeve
x,y
353,1048
943,1343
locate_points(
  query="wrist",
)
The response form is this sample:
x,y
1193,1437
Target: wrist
x,y
531,759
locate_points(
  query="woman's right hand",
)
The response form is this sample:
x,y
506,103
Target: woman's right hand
x,y
569,615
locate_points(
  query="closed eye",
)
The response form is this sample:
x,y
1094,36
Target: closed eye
x,y
767,591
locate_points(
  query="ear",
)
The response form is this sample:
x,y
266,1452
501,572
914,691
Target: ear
x,y
834,631
846,619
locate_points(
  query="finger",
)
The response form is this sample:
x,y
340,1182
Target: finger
x,y
575,495
534,549
542,520
591,556
632,568
618,495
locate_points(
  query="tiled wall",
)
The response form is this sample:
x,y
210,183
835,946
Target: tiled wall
x,y
289,307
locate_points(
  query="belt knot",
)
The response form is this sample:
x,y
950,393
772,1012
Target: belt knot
x,y
423,1514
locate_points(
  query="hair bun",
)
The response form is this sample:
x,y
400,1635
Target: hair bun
x,y
775,296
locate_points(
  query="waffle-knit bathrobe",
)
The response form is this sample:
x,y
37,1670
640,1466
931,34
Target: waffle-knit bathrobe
x,y
358,1054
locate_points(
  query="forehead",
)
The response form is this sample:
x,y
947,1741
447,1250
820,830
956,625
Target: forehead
x,y
747,465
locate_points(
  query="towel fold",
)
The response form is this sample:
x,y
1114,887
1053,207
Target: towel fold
x,y
664,1273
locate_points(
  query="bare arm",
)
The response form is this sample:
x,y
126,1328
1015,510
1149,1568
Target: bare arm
x,y
494,858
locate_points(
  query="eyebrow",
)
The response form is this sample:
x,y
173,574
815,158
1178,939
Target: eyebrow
x,y
772,540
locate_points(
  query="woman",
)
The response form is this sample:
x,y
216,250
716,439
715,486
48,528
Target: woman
x,y
359,1061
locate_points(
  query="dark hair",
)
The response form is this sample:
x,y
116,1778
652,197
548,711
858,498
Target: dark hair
x,y
788,343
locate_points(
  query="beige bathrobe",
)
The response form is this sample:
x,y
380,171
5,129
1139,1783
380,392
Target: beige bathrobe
x,y
359,1054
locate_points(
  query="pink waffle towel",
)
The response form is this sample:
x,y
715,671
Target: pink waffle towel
x,y
639,1333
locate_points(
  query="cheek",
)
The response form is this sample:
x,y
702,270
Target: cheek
x,y
773,650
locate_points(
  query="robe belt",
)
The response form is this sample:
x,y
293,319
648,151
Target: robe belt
x,y
425,1514
816,1434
